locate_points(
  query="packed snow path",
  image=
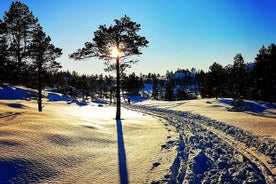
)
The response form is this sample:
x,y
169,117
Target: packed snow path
x,y
214,152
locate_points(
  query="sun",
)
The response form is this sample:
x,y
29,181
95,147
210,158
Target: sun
x,y
115,52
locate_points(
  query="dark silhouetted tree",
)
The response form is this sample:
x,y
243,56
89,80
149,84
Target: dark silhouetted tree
x,y
217,78
155,91
44,55
132,84
169,93
20,24
264,74
119,41
5,67
200,78
238,76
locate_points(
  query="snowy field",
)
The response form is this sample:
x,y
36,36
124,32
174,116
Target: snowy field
x,y
217,145
197,141
258,117
73,144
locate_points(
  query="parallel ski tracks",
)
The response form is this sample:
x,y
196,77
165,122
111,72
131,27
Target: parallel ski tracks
x,y
263,165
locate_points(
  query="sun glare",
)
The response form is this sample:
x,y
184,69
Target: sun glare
x,y
115,52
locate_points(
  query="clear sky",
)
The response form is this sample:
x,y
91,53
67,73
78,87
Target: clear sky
x,y
181,33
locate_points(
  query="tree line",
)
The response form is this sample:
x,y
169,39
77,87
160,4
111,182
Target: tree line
x,y
254,81
27,57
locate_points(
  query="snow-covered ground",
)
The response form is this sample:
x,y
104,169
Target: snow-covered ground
x,y
67,143
258,118
219,146
196,141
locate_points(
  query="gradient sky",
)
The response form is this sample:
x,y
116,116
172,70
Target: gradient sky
x,y
181,33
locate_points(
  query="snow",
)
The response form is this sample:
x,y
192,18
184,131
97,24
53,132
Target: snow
x,y
22,93
135,99
147,89
68,143
252,106
261,122
193,141
57,97
211,151
12,93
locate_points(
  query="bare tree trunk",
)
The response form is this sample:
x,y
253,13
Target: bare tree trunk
x,y
118,110
39,86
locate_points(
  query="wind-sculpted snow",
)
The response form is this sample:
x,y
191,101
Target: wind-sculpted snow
x,y
210,151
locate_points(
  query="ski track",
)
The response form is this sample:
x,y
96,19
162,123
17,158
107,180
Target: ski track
x,y
209,151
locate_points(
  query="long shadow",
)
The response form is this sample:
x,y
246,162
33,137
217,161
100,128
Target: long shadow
x,y
121,154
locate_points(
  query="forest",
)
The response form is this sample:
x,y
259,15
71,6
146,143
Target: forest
x,y
27,57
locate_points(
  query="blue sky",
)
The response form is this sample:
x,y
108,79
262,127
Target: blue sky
x,y
181,33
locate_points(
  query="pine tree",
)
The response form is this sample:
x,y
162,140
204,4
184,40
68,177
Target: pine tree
x,y
239,76
20,24
169,94
44,56
217,77
119,41
5,68
264,76
154,87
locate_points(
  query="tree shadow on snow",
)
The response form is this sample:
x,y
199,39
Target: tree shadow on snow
x,y
121,154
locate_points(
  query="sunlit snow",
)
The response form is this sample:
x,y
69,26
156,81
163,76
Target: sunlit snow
x,y
183,141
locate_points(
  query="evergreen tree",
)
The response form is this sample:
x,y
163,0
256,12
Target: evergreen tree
x,y
44,56
217,78
5,67
119,41
258,72
264,74
155,86
169,94
100,85
132,84
20,24
238,76
200,78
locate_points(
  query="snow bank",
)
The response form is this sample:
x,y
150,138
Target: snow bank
x,y
21,93
11,93
147,89
57,97
135,99
252,106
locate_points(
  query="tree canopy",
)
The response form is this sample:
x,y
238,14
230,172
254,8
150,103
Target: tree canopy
x,y
121,36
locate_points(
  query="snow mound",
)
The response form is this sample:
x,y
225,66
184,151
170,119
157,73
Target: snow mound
x,y
22,93
13,93
134,98
147,89
57,97
255,107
